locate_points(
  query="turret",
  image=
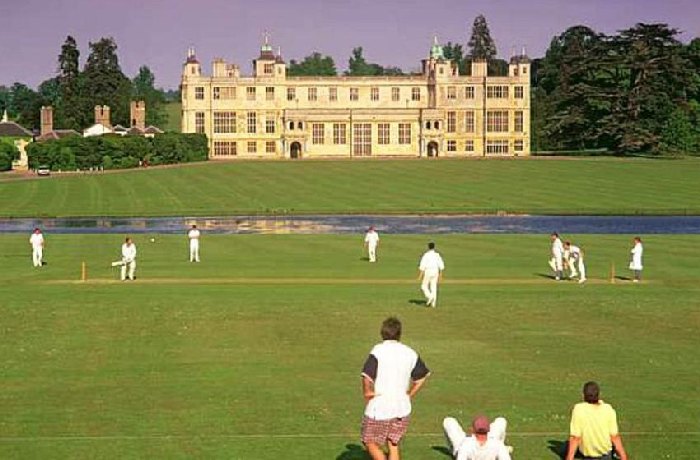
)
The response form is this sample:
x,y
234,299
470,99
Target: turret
x,y
191,68
437,66
519,66
267,65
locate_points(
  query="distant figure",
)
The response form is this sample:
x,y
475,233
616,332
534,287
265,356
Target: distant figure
x,y
37,243
371,243
594,429
636,262
128,259
431,267
557,260
486,443
573,255
391,376
193,235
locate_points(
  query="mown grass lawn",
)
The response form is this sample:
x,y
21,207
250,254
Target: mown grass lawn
x,y
534,186
255,353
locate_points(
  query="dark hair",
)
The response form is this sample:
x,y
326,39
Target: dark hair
x,y
567,243
636,238
431,245
591,391
555,234
194,225
391,329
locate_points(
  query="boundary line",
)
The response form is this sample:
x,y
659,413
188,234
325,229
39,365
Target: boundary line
x,y
522,434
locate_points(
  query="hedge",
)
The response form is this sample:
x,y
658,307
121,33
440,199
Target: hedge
x,y
116,152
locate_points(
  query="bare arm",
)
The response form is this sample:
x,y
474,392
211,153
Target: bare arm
x,y
367,388
619,448
416,386
574,442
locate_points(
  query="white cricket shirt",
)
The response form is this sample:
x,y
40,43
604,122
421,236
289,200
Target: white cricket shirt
x,y
392,366
431,263
372,238
36,240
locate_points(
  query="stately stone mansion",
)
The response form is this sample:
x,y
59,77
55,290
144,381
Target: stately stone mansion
x,y
435,113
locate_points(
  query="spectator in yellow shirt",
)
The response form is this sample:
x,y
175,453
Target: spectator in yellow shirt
x,y
594,428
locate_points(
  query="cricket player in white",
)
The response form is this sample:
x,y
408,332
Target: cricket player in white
x,y
487,441
128,259
37,242
371,243
574,257
193,235
557,260
636,263
431,267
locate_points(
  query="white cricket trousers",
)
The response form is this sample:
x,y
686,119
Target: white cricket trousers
x,y
131,267
372,252
37,256
581,267
194,250
430,288
456,436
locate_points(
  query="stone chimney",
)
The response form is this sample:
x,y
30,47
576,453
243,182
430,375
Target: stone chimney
x,y
138,114
102,115
46,120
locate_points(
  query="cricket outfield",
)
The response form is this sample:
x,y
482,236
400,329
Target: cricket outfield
x,y
255,353
552,186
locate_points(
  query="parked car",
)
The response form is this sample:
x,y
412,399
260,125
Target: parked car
x,y
43,170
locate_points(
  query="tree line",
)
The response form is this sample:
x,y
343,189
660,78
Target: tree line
x,y
74,92
631,92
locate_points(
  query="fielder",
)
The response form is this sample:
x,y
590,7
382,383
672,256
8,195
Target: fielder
x,y
431,267
574,257
557,260
636,263
37,243
371,243
128,259
193,235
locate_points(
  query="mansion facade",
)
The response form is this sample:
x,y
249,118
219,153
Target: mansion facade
x,y
435,113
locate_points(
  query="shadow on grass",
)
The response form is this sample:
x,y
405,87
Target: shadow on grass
x,y
558,447
420,302
443,450
353,452
365,258
545,275
623,278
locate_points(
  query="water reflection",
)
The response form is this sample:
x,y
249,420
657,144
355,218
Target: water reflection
x,y
343,224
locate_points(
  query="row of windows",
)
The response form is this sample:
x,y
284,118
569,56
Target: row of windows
x,y
362,144
230,148
318,133
312,94
497,121
493,147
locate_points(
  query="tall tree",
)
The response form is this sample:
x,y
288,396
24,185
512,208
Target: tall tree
x,y
359,67
455,53
104,82
144,89
656,78
481,45
71,108
315,64
24,104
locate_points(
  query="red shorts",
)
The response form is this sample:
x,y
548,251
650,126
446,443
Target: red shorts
x,y
381,431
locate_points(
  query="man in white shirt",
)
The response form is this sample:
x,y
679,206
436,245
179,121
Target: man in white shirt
x,y
37,243
193,235
128,259
636,263
371,243
391,376
557,260
487,441
431,267
574,257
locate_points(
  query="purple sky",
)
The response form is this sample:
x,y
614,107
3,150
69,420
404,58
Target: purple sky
x,y
392,32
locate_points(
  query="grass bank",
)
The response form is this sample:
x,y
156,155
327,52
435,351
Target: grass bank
x,y
530,186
